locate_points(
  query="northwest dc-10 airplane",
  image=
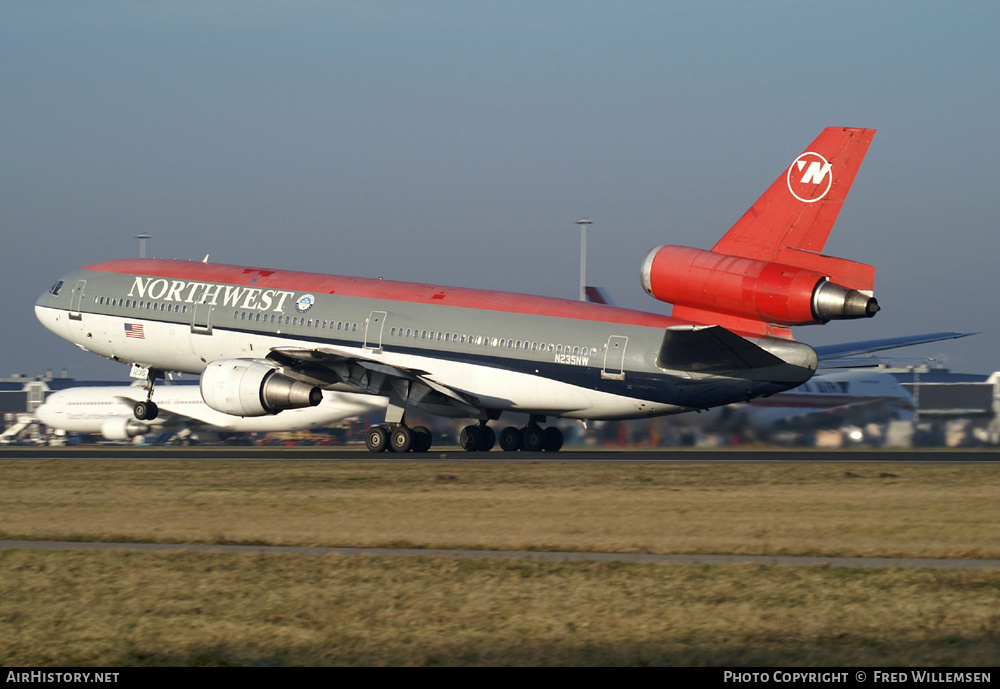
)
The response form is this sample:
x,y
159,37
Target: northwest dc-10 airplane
x,y
268,340
109,410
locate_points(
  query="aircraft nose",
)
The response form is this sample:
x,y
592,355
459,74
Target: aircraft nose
x,y
44,414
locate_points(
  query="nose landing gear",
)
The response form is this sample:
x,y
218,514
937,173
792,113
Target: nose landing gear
x,y
147,411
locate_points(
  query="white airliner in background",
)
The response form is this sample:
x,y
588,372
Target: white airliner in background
x,y
852,396
266,341
108,410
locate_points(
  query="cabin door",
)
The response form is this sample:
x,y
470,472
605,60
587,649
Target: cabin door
x,y
373,330
614,358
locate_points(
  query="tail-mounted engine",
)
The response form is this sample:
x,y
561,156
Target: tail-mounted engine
x,y
247,387
764,291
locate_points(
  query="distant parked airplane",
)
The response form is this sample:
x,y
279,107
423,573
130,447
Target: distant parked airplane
x,y
109,411
852,396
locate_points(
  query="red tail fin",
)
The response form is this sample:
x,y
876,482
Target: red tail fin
x,y
793,218
766,273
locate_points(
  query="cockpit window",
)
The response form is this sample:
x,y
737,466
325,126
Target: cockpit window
x,y
54,290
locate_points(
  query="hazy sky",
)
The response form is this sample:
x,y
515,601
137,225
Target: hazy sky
x,y
457,143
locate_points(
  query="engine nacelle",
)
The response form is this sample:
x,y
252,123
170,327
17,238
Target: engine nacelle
x,y
122,428
247,387
747,288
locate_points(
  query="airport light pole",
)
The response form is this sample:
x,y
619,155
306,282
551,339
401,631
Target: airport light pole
x,y
583,256
142,244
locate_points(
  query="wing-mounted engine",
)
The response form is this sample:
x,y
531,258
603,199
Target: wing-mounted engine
x,y
756,290
123,428
253,387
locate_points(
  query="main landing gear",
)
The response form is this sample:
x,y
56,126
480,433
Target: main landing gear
x,y
479,438
147,411
531,438
398,438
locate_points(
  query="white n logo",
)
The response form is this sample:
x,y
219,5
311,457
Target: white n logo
x,y
815,172
812,178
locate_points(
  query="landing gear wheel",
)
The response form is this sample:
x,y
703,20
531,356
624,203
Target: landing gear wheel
x,y
532,439
377,439
470,438
422,439
552,439
401,439
145,411
487,438
510,439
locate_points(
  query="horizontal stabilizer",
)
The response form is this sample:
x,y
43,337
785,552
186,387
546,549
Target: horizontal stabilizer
x,y
704,349
865,346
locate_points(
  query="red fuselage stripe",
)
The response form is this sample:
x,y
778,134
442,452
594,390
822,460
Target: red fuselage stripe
x,y
387,290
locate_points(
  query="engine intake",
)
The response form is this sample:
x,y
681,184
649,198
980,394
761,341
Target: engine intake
x,y
760,290
246,387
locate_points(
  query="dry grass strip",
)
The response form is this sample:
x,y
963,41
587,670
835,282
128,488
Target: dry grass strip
x,y
932,510
115,608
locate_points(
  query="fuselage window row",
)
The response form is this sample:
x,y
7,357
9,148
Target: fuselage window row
x,y
415,333
141,305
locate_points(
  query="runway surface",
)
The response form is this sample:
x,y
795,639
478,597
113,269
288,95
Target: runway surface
x,y
536,556
627,455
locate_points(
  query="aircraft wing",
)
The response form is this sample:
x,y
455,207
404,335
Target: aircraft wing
x,y
827,352
410,385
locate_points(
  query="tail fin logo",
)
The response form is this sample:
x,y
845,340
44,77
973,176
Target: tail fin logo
x,y
810,177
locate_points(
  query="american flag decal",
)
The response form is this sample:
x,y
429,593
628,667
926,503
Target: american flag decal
x,y
135,330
